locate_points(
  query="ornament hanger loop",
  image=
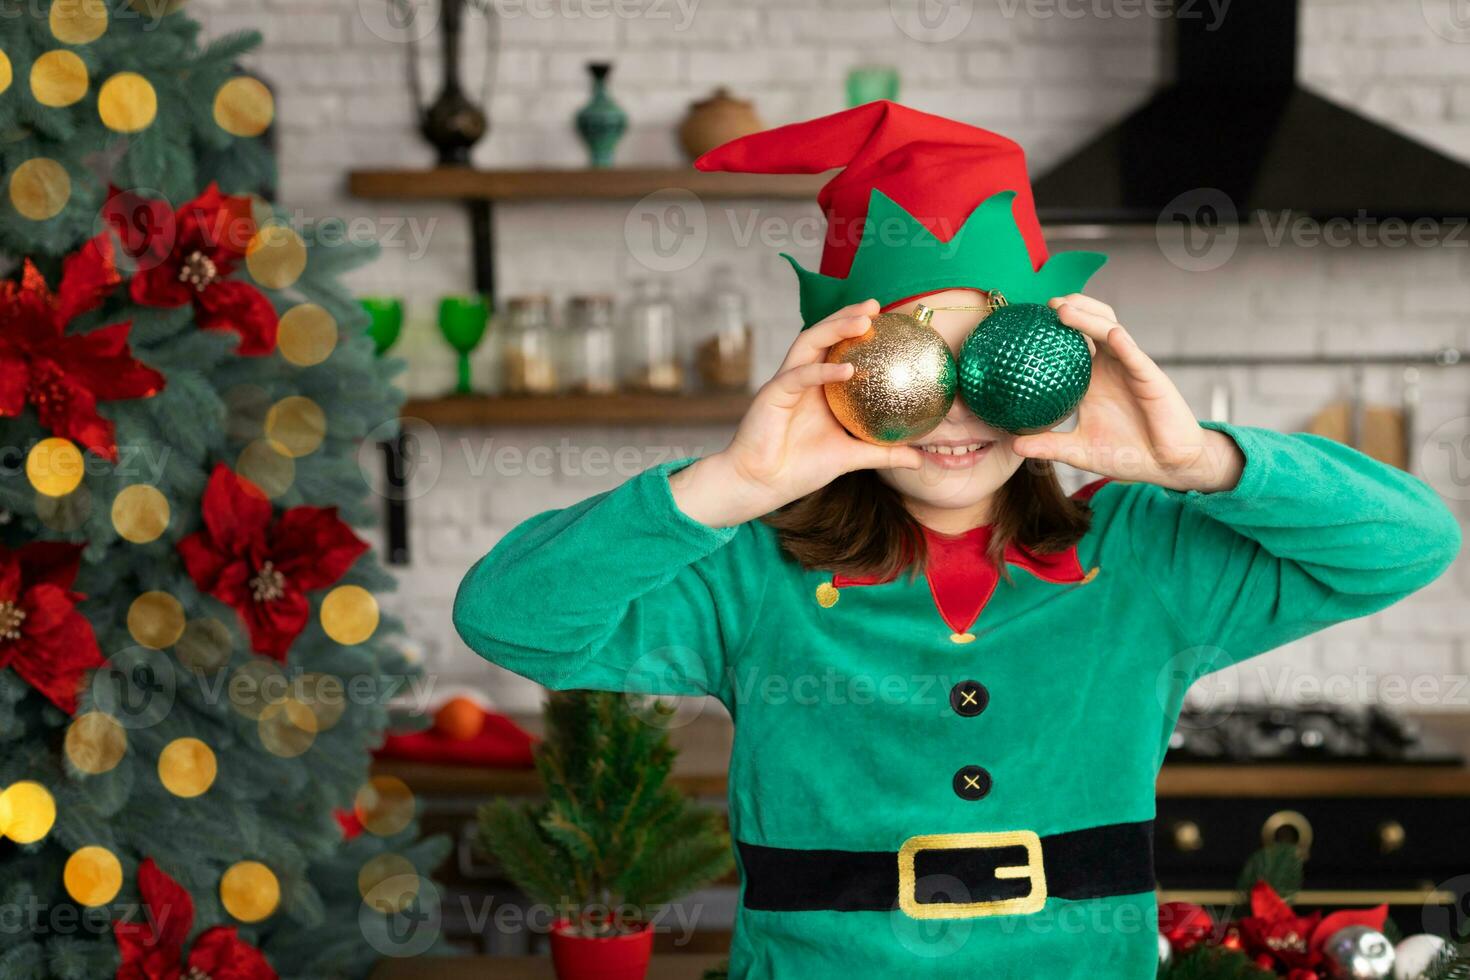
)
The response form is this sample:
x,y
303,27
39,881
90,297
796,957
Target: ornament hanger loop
x,y
997,299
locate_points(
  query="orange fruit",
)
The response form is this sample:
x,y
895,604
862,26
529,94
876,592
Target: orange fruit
x,y
459,718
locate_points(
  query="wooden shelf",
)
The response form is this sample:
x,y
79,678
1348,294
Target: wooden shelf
x,y
624,409
467,183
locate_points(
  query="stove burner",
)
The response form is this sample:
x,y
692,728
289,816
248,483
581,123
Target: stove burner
x,y
1307,734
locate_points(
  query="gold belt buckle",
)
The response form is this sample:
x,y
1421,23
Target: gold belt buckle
x,y
1032,870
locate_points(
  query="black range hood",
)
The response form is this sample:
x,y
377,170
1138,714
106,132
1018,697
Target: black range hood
x,y
1234,120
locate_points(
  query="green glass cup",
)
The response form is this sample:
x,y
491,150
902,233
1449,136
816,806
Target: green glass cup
x,y
385,315
462,321
869,83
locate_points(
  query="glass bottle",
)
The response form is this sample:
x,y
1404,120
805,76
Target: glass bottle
x,y
655,359
722,354
530,363
591,346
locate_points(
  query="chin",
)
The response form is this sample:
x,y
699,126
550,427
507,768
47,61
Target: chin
x,y
957,472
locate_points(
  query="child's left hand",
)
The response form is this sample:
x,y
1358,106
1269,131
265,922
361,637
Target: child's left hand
x,y
1133,424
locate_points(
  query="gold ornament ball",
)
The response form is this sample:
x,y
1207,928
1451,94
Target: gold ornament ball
x,y
40,188
902,385
388,880
95,742
307,335
58,79
384,805
297,425
27,812
276,256
140,513
264,465
244,107
55,466
93,876
205,646
78,21
7,73
156,620
187,767
349,614
127,103
249,891
287,729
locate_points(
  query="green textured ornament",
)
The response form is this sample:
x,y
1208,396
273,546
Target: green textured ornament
x,y
1022,369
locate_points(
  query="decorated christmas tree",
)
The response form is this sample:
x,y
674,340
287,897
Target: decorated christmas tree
x,y
193,667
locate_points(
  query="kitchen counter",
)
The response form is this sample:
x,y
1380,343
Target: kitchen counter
x,y
704,753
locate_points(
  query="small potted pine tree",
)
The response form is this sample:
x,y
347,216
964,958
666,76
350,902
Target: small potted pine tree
x,y
612,842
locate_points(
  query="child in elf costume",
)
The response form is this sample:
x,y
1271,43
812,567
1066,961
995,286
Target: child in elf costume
x,y
952,684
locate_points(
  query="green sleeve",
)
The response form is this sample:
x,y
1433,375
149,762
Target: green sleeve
x,y
622,592
1314,533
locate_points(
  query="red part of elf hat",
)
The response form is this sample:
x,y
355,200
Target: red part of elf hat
x,y
936,169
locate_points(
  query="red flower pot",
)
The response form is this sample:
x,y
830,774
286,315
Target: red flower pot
x,y
600,958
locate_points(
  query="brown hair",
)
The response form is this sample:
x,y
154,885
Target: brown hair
x,y
858,525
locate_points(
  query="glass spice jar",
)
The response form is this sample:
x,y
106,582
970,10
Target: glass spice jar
x,y
530,362
591,346
655,356
723,353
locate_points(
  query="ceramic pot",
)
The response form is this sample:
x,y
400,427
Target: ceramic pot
x,y
623,957
717,120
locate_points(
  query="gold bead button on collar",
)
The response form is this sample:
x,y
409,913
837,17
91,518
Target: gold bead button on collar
x,y
962,637
827,595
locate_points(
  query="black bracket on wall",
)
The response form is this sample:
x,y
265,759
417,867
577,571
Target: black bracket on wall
x,y
396,451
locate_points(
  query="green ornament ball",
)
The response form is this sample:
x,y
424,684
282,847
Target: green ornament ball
x,y
1022,369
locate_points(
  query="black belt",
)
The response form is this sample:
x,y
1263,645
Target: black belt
x,y
954,875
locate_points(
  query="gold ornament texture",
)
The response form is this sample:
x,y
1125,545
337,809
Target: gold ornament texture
x,y
140,513
27,812
244,107
384,805
7,72
156,620
307,335
95,743
92,876
127,103
59,79
40,188
249,891
55,466
187,767
903,381
297,425
349,614
78,21
276,256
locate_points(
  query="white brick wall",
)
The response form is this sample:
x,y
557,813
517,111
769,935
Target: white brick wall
x,y
1046,73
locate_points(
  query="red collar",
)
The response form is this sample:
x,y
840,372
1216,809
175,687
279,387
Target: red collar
x,y
962,578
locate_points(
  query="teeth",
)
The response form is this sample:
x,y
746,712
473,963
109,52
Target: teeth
x,y
973,447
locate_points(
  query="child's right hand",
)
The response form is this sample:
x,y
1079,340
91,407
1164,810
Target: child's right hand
x,y
789,443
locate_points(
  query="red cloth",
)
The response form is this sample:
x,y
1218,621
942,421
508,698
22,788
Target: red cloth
x,y
501,744
936,169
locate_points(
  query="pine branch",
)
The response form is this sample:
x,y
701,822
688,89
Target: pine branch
x,y
1213,963
1279,866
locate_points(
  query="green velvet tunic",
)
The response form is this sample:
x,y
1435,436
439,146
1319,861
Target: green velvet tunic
x,y
845,737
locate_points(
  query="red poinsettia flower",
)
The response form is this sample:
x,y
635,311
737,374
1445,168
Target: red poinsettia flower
x,y
264,567
153,948
1274,929
43,637
188,256
1185,925
65,376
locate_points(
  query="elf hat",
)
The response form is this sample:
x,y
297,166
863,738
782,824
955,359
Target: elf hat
x,y
923,204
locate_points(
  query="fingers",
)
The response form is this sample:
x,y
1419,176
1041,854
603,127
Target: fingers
x,y
1059,446
870,457
786,388
812,344
1085,302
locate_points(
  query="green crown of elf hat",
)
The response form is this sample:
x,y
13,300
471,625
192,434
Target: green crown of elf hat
x,y
922,203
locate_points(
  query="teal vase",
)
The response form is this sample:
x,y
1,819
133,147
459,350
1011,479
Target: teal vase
x,y
601,122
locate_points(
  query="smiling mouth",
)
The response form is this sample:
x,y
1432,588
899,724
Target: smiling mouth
x,y
955,455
